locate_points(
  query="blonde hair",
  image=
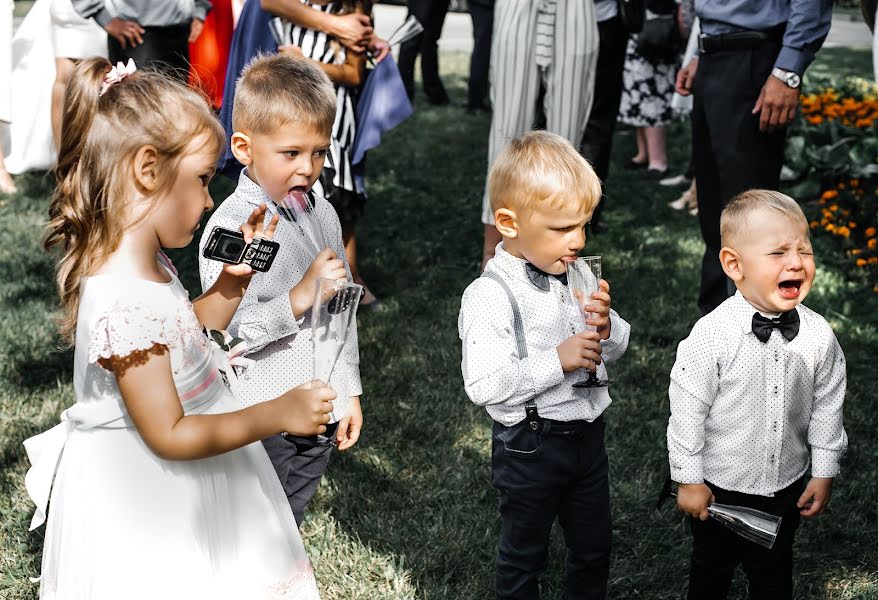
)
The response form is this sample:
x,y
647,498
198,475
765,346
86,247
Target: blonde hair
x,y
541,167
100,137
736,215
277,89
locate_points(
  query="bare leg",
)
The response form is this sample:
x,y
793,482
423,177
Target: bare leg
x,y
492,238
7,186
63,72
655,148
642,155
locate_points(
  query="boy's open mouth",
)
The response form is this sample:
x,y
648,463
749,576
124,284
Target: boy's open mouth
x,y
298,189
789,289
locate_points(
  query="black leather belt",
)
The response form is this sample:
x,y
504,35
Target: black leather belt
x,y
739,40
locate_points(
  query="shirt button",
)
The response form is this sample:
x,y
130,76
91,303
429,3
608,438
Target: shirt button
x,y
775,389
772,458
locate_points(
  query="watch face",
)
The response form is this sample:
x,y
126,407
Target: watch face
x,y
793,80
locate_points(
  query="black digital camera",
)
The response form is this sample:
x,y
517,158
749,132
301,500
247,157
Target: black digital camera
x,y
228,246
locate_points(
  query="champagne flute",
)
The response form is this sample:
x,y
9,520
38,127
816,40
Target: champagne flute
x,y
332,317
583,277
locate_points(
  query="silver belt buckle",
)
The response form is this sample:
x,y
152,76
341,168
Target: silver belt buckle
x,y
701,37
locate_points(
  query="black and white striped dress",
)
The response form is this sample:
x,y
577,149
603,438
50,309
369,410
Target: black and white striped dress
x,y
320,47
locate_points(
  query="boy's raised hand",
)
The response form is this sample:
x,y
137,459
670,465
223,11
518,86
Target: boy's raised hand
x,y
600,307
815,498
305,410
580,351
693,499
255,226
325,266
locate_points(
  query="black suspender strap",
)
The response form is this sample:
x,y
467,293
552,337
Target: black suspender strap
x,y
535,421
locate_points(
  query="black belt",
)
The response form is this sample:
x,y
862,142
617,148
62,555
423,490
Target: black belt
x,y
739,40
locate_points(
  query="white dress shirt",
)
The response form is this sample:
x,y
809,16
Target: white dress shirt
x,y
744,413
278,342
494,375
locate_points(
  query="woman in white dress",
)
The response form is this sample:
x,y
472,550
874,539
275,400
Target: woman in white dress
x,y
161,487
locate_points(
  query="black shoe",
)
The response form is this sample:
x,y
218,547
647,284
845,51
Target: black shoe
x,y
656,173
472,109
633,165
438,99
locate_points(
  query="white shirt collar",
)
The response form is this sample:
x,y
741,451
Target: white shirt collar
x,y
511,266
742,312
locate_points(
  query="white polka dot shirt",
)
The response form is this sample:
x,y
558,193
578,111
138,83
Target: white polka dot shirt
x,y
494,375
280,344
744,413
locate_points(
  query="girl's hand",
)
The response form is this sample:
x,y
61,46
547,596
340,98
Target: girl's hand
x,y
293,51
379,48
305,410
349,428
816,496
254,227
600,310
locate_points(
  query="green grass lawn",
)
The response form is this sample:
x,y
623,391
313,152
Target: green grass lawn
x,y
410,511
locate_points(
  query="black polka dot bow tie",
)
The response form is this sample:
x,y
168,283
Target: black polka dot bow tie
x,y
540,278
787,323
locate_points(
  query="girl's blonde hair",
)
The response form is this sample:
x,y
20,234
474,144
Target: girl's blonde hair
x,y
100,137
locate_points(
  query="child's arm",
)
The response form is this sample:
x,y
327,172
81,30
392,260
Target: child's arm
x,y
350,427
613,329
353,30
151,399
216,307
694,384
492,370
826,434
349,74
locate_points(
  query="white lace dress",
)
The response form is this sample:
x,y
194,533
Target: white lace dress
x,y
126,524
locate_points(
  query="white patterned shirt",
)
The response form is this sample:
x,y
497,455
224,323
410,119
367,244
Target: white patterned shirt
x,y
278,342
494,375
744,413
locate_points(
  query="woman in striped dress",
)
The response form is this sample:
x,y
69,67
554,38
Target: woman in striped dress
x,y
347,71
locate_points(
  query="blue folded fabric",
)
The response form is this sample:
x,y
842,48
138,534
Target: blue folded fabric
x,y
383,104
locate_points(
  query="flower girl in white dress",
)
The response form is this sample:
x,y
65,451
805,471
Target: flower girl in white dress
x,y
161,489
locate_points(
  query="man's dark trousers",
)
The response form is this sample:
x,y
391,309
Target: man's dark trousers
x,y
729,152
561,472
717,551
431,14
598,138
482,14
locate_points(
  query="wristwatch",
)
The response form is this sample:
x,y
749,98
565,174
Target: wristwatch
x,y
788,77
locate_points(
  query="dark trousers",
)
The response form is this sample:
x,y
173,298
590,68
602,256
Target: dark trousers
x,y
597,141
164,49
431,14
300,463
729,152
717,551
483,24
561,472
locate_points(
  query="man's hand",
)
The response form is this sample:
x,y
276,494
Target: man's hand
x,y
195,30
816,496
686,77
599,310
127,33
777,104
353,30
349,428
693,499
580,351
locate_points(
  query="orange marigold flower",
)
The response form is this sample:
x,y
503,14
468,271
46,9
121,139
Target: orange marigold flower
x,y
855,183
852,225
813,224
870,232
829,195
872,244
815,119
855,251
830,227
833,207
843,231
861,262
873,260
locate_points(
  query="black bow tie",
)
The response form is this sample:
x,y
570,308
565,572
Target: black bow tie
x,y
540,278
787,323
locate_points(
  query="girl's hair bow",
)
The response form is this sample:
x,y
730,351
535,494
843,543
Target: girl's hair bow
x,y
118,73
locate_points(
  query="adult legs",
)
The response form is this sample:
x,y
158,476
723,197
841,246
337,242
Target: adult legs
x,y
7,185
656,147
597,141
433,87
483,22
730,154
63,71
642,156
408,52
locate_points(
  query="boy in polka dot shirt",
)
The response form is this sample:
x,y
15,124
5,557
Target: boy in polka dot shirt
x,y
523,351
283,115
756,400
